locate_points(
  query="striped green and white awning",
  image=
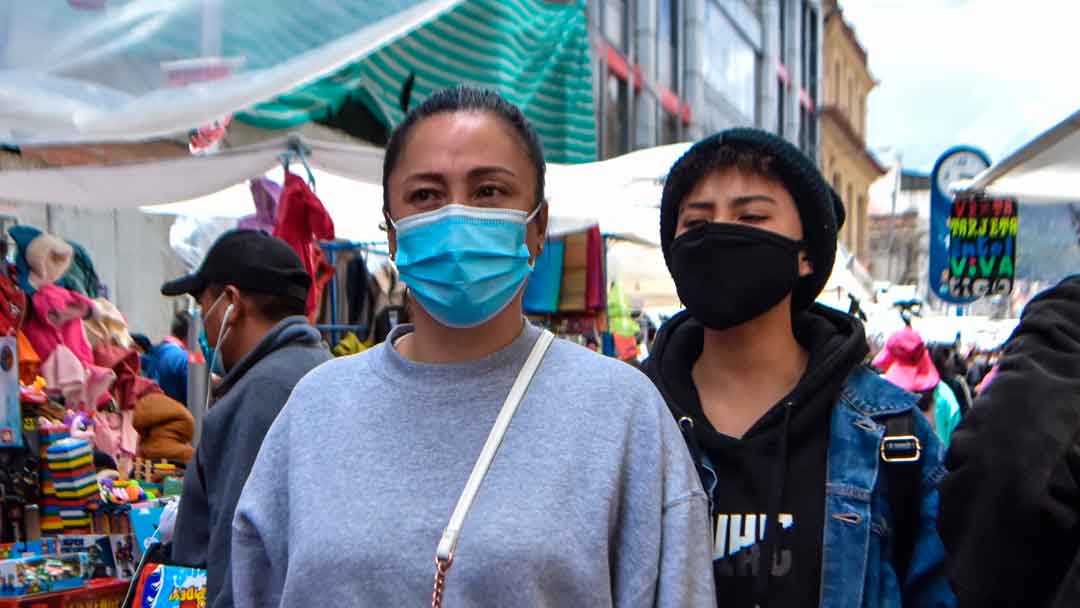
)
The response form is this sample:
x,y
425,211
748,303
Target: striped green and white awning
x,y
534,52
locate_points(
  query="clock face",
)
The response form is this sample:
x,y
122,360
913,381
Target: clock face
x,y
961,165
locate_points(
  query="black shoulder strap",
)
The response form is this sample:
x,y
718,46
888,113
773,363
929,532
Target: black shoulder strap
x,y
901,454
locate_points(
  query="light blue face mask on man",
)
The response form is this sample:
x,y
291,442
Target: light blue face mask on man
x,y
464,264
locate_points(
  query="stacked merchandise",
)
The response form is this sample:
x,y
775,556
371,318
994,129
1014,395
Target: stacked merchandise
x,y
52,522
71,467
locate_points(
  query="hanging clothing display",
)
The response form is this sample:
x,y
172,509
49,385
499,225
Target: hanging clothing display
x,y
360,301
573,292
595,294
265,194
301,221
56,320
542,292
130,384
107,327
40,258
12,303
620,321
29,361
84,387
349,345
81,277
389,309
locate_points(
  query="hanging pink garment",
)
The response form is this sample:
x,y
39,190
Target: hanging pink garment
x,y
84,388
130,385
265,193
57,319
115,435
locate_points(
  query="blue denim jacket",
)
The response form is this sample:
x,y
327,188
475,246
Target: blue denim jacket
x,y
857,572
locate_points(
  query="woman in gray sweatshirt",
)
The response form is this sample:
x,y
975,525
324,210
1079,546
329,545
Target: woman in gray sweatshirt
x,y
591,500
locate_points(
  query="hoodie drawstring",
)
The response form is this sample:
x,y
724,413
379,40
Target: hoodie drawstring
x,y
772,516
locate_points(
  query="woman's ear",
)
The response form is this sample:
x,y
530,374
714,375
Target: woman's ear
x,y
391,234
536,234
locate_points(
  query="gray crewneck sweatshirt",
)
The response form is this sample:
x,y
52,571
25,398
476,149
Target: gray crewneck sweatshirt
x,y
592,500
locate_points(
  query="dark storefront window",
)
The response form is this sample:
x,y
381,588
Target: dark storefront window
x,y
616,118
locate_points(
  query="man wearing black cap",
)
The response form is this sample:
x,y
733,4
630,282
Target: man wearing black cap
x,y
253,290
822,480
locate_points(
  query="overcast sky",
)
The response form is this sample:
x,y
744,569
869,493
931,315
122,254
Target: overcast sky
x,y
988,73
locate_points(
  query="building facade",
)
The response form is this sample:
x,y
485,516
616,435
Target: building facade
x,y
845,161
668,71
898,229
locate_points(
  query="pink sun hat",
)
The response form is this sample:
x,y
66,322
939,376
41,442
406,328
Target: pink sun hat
x,y
907,362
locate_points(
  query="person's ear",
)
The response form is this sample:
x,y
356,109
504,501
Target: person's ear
x,y
806,267
234,308
391,234
536,234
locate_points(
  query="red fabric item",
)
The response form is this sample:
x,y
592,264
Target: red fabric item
x,y
595,294
301,221
57,319
12,303
130,385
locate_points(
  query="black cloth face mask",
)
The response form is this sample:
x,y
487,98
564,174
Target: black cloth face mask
x,y
727,274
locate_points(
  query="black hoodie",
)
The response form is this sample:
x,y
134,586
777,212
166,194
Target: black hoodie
x,y
1010,505
776,472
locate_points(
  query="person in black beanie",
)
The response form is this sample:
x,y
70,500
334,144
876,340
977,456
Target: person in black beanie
x,y
822,477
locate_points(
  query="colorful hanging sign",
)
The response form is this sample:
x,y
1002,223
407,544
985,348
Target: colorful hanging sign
x,y
982,246
955,164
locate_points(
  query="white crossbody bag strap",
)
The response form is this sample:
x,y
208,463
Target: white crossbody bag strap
x,y
444,555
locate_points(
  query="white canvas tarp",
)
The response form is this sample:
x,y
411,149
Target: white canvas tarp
x,y
1045,170
133,70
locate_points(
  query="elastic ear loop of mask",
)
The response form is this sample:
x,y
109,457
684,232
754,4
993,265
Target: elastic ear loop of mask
x,y
223,333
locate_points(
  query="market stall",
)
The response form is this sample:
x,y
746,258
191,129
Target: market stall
x,y
88,440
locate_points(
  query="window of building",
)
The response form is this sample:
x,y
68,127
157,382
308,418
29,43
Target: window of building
x,y
613,17
667,47
783,31
810,47
850,96
781,106
730,61
853,217
808,131
859,116
616,118
837,83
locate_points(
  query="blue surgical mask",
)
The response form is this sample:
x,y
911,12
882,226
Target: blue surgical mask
x,y
212,355
464,264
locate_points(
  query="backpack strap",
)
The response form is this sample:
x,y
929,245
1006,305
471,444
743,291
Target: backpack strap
x,y
901,453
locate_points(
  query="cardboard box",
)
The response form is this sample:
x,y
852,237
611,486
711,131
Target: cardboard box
x,y
110,556
29,548
42,574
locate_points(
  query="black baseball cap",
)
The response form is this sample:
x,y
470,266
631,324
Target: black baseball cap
x,y
252,261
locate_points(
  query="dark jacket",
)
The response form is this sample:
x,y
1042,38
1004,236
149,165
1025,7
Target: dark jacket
x,y
1010,505
247,402
855,553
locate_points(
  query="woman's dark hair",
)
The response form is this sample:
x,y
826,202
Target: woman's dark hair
x,y
465,99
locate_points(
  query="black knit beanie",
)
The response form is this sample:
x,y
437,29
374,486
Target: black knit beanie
x,y
820,208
